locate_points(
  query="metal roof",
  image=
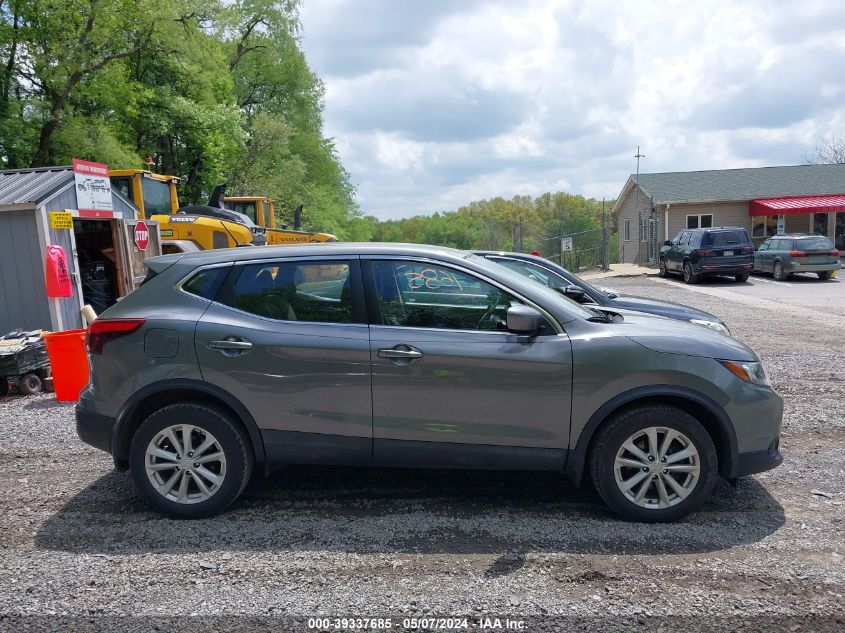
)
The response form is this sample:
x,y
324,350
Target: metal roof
x,y
787,206
32,186
724,185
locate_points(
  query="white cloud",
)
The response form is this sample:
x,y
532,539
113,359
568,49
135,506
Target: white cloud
x,y
435,104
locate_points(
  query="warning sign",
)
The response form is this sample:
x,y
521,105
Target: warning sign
x,y
93,187
61,220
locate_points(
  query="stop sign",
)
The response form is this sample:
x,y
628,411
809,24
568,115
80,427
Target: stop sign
x,y
142,235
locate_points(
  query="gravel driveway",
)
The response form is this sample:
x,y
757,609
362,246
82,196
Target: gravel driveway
x,y
77,545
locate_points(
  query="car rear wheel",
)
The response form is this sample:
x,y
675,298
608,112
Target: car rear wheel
x,y
824,275
189,460
777,272
741,277
689,276
653,464
661,271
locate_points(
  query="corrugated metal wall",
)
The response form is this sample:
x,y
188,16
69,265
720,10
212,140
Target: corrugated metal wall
x,y
23,290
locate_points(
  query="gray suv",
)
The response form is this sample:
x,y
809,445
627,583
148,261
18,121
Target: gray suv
x,y
228,361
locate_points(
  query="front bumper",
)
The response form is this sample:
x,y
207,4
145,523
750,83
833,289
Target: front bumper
x,y
94,429
758,461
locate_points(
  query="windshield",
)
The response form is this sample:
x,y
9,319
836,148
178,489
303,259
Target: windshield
x,y
156,197
551,296
547,277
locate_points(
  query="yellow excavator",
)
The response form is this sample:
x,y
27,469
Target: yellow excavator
x,y
262,211
204,227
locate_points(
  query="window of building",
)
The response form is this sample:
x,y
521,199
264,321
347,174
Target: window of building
x,y
419,294
701,221
627,231
764,226
296,291
820,223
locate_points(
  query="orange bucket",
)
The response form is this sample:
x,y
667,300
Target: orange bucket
x,y
69,363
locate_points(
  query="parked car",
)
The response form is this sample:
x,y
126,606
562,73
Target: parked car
x,y
696,253
783,255
227,361
558,278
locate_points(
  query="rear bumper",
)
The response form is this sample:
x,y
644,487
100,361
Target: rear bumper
x,y
710,267
94,429
810,268
758,461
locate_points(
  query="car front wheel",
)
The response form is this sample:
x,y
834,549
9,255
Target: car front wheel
x,y
653,464
662,269
189,460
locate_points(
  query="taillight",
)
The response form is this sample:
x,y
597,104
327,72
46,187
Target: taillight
x,y
834,252
748,249
794,253
101,331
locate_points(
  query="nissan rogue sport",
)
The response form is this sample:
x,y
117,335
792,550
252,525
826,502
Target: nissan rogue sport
x,y
228,361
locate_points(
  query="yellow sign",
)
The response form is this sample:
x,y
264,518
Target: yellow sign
x,y
61,220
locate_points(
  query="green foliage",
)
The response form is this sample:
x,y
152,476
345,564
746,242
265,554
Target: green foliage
x,y
214,90
490,225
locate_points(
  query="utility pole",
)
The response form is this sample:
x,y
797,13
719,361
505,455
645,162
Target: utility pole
x,y
605,260
638,156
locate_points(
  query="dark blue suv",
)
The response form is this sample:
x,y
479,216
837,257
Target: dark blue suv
x,y
696,253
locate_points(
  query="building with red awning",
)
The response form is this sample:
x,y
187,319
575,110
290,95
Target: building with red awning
x,y
764,200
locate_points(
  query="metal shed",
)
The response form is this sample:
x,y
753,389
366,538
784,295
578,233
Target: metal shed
x,y
103,261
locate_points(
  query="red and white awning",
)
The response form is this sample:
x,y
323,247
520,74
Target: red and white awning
x,y
795,206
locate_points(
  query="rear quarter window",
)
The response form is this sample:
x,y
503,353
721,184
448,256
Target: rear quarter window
x,y
206,283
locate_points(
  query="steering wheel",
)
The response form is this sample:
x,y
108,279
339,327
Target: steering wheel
x,y
489,313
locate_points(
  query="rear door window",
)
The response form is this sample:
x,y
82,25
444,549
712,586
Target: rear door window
x,y
319,291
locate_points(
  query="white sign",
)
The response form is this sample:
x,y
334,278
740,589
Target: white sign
x,y
93,187
565,244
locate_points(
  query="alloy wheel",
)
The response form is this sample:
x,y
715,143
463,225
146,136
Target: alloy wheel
x,y
657,467
185,463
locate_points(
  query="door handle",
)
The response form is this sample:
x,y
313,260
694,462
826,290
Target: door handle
x,y
401,354
230,346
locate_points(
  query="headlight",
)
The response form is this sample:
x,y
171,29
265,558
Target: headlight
x,y
749,372
712,325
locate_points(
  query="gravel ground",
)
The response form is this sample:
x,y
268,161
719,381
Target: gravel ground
x,y
79,550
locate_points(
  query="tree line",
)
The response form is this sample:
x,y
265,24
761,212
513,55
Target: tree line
x,y
522,223
217,91
212,90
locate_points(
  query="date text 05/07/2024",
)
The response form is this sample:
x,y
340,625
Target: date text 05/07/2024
x,y
414,623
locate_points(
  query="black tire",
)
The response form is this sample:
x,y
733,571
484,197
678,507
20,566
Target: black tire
x,y
609,440
29,384
742,277
233,443
4,386
689,276
777,272
662,271
824,275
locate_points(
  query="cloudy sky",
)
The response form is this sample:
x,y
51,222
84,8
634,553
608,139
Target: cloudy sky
x,y
433,103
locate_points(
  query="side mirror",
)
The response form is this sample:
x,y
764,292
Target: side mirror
x,y
667,243
523,320
576,293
